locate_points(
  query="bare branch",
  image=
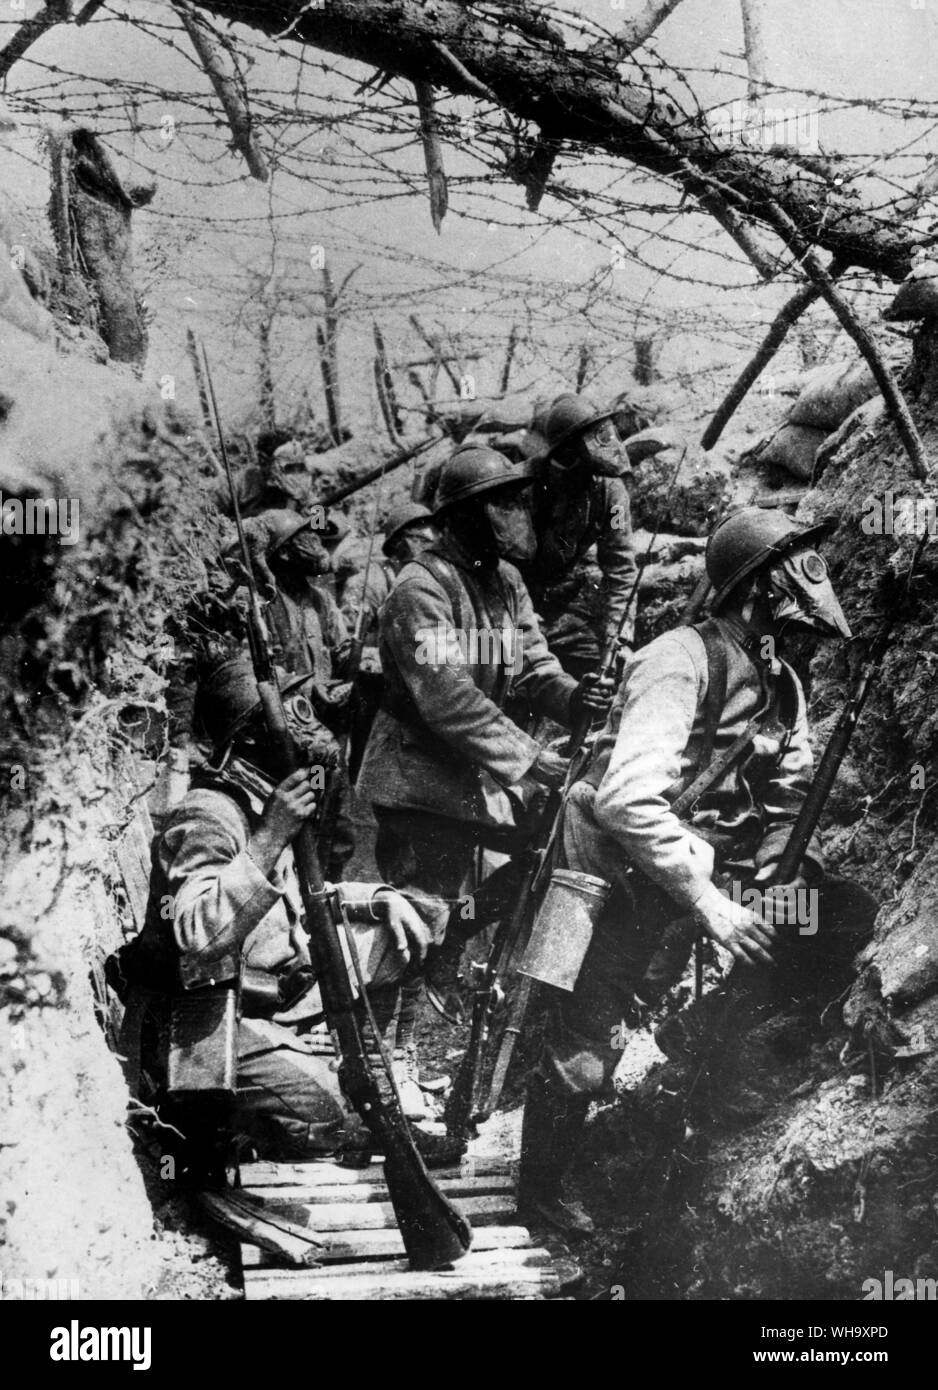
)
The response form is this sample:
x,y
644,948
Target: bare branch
x,y
639,30
432,154
886,381
52,13
223,74
754,44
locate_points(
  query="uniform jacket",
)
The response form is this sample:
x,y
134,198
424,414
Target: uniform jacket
x,y
571,514
310,635
441,741
650,747
211,908
372,595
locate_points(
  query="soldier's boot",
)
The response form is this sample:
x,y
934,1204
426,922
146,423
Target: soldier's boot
x,y
550,1136
406,1062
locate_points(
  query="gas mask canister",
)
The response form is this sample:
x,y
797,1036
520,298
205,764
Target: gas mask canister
x,y
799,591
314,741
512,527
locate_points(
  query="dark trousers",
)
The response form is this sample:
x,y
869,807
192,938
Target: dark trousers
x,y
623,967
430,859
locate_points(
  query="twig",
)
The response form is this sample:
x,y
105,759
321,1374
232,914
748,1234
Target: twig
x,y
471,82
432,154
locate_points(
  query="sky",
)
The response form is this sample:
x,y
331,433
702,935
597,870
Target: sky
x,y
349,178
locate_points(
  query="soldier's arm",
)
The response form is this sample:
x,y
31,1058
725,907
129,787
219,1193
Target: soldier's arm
x,y
217,892
417,627
615,553
539,674
664,683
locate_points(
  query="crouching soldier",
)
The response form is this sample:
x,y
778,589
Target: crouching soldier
x,y
688,700
224,902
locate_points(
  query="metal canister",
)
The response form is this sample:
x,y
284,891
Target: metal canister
x,y
563,928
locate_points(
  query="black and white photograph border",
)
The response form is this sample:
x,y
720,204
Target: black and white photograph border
x,y
469,658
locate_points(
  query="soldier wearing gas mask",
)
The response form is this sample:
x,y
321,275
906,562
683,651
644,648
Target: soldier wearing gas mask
x,y
689,697
224,902
580,500
447,771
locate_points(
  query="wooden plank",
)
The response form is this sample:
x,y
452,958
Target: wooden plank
x,y
374,1191
335,1174
371,1216
468,1279
287,1241
387,1244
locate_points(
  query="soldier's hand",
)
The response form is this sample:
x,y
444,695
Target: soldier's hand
x,y
411,933
288,808
549,768
745,935
780,902
594,693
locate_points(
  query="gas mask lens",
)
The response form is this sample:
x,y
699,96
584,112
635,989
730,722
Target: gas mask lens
x,y
800,591
603,449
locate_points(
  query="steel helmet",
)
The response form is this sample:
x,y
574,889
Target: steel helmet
x,y
743,542
473,470
407,514
228,698
568,417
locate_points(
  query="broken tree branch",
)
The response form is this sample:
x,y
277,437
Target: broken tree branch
x,y
432,154
584,99
790,312
52,13
639,30
509,357
895,401
754,46
222,72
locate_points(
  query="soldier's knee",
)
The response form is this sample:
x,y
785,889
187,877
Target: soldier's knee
x,y
576,1069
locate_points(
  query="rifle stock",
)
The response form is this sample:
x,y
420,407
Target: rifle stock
x,y
434,1231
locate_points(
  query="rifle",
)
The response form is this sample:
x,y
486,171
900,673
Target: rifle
x,y
434,1231
467,1105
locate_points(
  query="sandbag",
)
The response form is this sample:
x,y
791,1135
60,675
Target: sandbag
x,y
793,448
917,297
858,420
831,394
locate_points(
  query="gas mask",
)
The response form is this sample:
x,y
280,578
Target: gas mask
x,y
305,553
512,527
799,591
600,451
289,473
313,740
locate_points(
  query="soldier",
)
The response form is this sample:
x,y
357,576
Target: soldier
x,y
684,698
309,638
224,868
447,771
580,500
408,531
280,479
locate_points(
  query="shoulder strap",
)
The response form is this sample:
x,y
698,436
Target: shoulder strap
x,y
443,572
715,698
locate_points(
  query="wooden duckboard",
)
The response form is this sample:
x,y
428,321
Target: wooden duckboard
x,y
362,1256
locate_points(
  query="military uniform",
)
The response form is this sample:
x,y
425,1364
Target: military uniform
x,y
618,822
445,767
211,912
580,601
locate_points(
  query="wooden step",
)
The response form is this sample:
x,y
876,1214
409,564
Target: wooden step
x,y
329,1174
374,1191
487,1274
387,1244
